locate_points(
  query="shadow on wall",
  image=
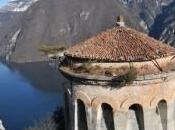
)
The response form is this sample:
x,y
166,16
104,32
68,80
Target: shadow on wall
x,y
82,118
136,117
161,111
107,112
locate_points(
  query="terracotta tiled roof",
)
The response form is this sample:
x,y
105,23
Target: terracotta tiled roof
x,y
120,44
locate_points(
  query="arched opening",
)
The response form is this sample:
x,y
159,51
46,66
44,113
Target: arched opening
x,y
82,119
161,110
108,117
136,117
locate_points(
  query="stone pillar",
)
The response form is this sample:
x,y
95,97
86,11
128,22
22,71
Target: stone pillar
x,y
171,116
75,116
95,121
132,123
72,114
100,121
89,118
151,120
120,120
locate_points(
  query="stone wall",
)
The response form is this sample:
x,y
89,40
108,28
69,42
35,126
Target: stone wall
x,y
143,68
162,62
122,100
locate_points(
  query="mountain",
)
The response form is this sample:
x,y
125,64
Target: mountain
x,y
147,10
17,5
26,25
64,22
164,25
10,23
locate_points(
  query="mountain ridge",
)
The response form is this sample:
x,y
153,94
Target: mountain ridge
x,y
164,25
68,22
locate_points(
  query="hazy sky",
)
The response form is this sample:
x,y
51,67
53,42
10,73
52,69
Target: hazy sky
x,y
3,2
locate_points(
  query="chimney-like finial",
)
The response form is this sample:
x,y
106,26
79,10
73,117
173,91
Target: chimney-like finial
x,y
120,21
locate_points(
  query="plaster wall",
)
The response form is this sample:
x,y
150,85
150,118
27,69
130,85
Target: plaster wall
x,y
162,63
120,99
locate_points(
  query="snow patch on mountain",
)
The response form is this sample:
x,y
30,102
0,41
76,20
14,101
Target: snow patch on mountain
x,y
15,36
144,25
17,5
84,15
157,2
12,44
127,2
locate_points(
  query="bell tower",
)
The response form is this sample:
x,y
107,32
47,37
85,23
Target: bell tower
x,y
116,82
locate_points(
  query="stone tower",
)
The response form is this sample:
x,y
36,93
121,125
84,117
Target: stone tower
x,y
120,79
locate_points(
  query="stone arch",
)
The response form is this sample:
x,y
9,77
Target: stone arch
x,y
161,111
108,116
130,101
81,115
157,99
98,101
84,97
136,117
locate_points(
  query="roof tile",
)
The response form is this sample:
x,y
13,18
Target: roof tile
x,y
120,44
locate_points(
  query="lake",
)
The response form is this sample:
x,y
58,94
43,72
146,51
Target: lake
x,y
28,92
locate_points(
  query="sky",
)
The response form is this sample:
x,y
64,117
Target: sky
x,y
3,2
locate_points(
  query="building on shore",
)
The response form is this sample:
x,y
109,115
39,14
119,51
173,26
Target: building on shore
x,y
120,79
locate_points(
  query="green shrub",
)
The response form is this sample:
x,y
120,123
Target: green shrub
x,y
52,49
128,77
84,68
43,125
58,118
55,123
108,73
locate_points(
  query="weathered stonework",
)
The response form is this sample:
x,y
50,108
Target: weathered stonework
x,y
121,99
100,98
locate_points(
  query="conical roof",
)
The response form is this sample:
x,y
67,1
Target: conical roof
x,y
120,44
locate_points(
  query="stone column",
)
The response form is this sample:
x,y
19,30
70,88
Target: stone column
x,y
132,123
95,121
89,118
171,116
100,121
120,120
151,120
75,116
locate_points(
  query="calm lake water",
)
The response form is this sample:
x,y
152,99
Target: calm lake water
x,y
28,93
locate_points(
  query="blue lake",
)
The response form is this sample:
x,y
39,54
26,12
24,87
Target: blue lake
x,y
28,93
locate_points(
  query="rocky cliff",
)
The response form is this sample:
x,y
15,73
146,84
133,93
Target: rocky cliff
x,y
164,25
28,25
